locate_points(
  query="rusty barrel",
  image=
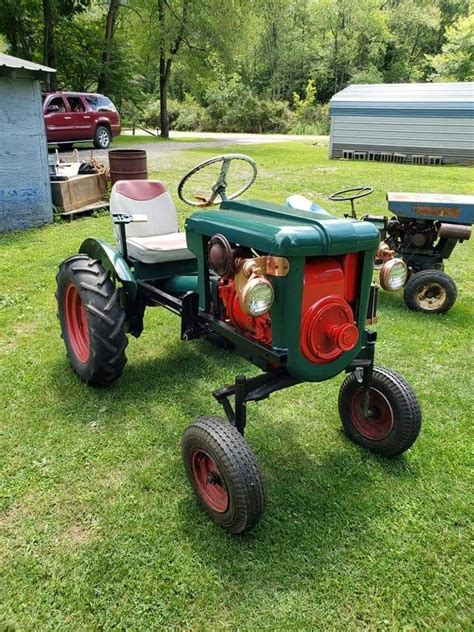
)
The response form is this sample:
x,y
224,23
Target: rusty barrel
x,y
127,164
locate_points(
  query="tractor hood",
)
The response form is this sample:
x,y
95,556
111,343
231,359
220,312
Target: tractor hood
x,y
278,230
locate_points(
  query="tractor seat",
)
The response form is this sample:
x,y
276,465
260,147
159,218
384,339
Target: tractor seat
x,y
301,203
157,240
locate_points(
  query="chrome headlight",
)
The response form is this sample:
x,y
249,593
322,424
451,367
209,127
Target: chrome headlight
x,y
393,274
257,296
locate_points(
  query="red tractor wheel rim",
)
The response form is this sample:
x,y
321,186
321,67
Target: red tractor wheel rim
x,y
76,324
377,424
209,481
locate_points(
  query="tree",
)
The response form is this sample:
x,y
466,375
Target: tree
x,y
353,38
53,12
49,52
168,28
168,51
240,60
456,60
110,24
414,28
21,26
286,51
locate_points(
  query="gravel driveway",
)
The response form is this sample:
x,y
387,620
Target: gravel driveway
x,y
158,150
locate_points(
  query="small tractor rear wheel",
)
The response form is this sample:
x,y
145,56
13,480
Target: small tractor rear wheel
x,y
224,473
392,421
430,291
93,325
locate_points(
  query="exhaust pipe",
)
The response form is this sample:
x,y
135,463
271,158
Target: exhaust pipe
x,y
454,231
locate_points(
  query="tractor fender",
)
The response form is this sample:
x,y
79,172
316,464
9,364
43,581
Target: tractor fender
x,y
113,262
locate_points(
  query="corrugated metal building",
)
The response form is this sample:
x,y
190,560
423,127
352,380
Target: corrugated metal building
x,y
25,191
415,119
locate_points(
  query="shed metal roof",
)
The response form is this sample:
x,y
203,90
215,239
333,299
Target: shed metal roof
x,y
422,100
407,92
11,63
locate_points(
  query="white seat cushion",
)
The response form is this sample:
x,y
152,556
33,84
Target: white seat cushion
x,y
159,248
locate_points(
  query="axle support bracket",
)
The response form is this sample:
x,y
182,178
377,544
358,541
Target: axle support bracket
x,y
252,389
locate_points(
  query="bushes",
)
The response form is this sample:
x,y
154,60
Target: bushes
x,y
232,107
309,117
247,114
189,115
151,114
184,115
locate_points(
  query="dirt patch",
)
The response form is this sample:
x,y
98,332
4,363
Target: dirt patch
x,y
113,480
19,511
78,535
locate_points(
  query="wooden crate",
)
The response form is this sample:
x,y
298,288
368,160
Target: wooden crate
x,y
78,191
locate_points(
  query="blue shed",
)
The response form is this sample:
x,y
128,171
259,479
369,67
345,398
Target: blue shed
x,y
413,120
25,191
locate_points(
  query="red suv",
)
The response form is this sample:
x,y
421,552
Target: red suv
x,y
79,116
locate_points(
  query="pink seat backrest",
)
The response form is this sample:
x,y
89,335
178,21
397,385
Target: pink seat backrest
x,y
144,197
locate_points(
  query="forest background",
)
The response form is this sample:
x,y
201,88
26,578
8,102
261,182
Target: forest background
x,y
238,65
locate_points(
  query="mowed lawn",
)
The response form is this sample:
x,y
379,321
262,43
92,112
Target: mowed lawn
x,y
99,528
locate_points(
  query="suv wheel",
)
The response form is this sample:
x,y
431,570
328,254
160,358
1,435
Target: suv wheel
x,y
103,137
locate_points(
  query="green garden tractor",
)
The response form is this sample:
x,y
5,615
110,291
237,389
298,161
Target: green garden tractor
x,y
289,290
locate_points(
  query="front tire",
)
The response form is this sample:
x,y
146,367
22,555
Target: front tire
x,y
224,473
430,291
102,137
393,419
93,325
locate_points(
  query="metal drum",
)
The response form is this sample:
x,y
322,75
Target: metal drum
x,y
128,164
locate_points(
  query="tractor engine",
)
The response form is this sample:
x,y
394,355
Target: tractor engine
x,y
409,234
330,289
327,316
243,287
423,244
257,326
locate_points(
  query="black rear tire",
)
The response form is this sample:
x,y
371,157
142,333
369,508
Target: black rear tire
x,y
430,291
102,137
224,473
93,325
394,418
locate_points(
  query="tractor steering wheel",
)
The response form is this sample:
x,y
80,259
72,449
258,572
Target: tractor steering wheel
x,y
219,188
357,192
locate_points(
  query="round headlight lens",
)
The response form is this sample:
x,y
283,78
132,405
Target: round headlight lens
x,y
393,274
257,296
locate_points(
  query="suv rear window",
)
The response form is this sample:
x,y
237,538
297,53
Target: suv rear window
x,y
99,103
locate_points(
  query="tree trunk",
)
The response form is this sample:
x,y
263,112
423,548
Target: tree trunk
x,y
166,59
165,68
49,55
112,13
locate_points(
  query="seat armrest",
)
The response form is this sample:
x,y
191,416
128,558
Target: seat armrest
x,y
125,218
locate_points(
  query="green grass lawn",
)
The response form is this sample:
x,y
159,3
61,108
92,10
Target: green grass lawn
x,y
99,528
142,137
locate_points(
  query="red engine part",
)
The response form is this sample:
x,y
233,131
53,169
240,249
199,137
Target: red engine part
x,y
327,324
259,326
